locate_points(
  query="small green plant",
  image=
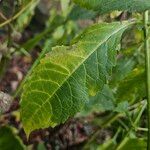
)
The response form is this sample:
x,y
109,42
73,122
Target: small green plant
x,y
87,72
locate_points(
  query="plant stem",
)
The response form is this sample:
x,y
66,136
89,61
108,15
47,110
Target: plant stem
x,y
17,15
141,110
147,62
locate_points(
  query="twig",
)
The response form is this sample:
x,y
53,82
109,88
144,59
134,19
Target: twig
x,y
16,15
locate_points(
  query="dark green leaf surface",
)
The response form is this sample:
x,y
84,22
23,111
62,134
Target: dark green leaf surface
x,y
60,85
106,6
134,144
133,86
103,101
8,140
129,144
81,13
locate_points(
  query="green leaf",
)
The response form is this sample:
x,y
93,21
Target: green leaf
x,y
106,6
132,87
122,107
127,144
24,19
134,144
8,140
61,84
66,8
41,146
124,66
81,13
103,101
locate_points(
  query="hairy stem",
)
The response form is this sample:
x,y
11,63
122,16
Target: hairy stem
x,y
147,62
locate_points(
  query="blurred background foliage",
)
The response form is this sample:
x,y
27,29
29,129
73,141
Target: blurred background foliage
x,y
30,28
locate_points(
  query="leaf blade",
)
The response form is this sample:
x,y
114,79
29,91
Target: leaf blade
x,y
7,135
58,87
106,6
